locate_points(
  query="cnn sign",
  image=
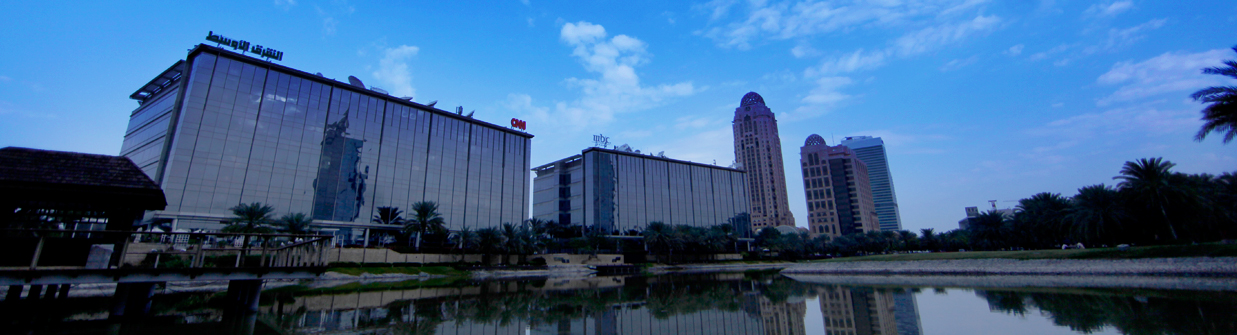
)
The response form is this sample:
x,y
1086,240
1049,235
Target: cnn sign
x,y
518,124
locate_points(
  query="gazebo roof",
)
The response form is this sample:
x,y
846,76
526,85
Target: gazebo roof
x,y
75,180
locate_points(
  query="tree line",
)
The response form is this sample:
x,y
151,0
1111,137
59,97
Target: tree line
x,y
1149,205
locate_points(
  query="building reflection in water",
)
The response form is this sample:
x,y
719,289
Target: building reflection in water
x,y
704,304
869,311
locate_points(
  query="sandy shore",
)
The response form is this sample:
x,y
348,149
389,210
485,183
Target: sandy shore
x,y
1195,267
1203,273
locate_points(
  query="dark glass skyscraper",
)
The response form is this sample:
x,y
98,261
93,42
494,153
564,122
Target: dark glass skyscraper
x,y
758,150
871,150
220,128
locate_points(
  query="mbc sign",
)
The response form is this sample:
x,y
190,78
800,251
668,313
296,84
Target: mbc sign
x,y
520,124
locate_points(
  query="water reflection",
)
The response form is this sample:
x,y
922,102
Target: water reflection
x,y
752,303
1146,312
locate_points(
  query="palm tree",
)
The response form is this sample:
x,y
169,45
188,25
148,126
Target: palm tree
x,y
660,234
465,239
250,218
295,223
425,219
1095,213
491,241
388,216
1039,220
928,239
987,230
1147,181
1220,115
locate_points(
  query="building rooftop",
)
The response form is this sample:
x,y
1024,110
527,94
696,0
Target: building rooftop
x,y
176,71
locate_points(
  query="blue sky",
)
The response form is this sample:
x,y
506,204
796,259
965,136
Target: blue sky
x,y
976,100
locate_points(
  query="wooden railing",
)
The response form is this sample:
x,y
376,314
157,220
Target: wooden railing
x,y
87,249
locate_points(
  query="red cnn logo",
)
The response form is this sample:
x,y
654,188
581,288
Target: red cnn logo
x,y
517,123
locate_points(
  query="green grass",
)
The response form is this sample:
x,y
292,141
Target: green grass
x,y
410,270
1160,251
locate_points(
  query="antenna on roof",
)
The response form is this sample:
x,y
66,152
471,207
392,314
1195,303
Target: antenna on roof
x,y
406,98
459,110
355,82
471,113
431,104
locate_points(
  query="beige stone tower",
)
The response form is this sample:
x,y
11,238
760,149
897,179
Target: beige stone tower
x,y
758,150
838,192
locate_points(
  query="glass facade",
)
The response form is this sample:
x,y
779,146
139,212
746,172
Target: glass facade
x,y
871,150
251,131
624,191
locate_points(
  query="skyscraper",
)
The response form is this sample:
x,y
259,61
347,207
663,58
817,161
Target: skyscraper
x,y
839,198
758,150
871,150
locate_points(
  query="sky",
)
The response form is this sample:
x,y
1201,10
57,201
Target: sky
x,y
976,100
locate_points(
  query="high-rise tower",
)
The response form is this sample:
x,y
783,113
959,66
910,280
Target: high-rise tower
x,y
839,197
758,150
871,150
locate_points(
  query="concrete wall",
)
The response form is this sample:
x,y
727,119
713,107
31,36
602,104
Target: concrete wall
x,y
389,256
698,258
575,259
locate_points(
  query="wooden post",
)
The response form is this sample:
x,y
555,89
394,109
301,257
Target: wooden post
x,y
38,251
197,259
262,259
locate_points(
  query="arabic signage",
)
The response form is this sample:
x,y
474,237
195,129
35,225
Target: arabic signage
x,y
243,46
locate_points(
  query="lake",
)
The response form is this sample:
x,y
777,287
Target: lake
x,y
720,303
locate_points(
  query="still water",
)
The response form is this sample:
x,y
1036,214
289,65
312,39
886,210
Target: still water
x,y
733,303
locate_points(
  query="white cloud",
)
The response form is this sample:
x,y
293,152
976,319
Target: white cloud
x,y
286,4
329,25
702,147
932,37
855,61
525,2
826,92
616,89
531,22
329,22
783,20
523,104
1136,120
5,78
803,51
1120,38
1050,52
693,121
823,98
1015,50
1109,9
958,63
393,71
1173,72
908,45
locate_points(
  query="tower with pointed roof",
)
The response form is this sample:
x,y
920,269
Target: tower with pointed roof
x,y
758,150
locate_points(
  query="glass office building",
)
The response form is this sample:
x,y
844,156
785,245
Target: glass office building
x,y
619,191
871,150
220,128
